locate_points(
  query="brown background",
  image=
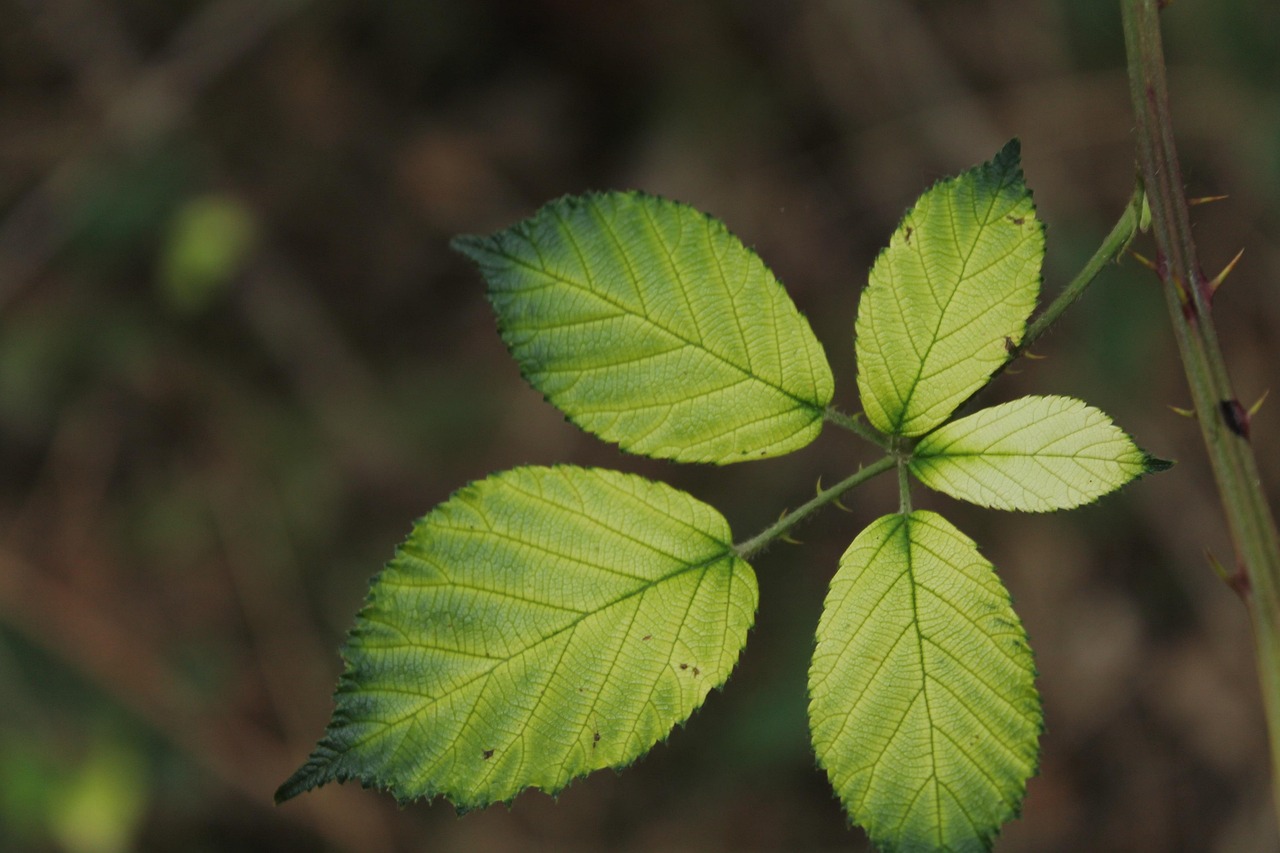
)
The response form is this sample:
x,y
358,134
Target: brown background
x,y
198,474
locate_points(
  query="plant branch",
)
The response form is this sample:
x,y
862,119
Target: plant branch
x,y
904,488
1224,423
746,550
1113,245
857,425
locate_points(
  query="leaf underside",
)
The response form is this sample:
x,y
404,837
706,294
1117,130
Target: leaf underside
x,y
540,624
1035,454
923,708
650,325
949,295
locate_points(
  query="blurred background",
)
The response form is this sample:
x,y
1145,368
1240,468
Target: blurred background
x,y
237,359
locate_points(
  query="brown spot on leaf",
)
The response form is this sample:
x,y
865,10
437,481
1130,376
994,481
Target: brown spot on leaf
x,y
646,637
684,666
488,753
696,671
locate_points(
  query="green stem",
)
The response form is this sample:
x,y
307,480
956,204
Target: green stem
x,y
858,426
904,488
1113,245
746,550
1223,424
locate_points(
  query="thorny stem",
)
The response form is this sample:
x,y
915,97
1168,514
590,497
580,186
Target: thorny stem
x,y
746,550
1223,422
857,425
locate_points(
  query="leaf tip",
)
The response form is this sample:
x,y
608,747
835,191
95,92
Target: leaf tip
x,y
1010,156
308,776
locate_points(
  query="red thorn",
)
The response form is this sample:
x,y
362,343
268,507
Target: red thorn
x,y
1206,199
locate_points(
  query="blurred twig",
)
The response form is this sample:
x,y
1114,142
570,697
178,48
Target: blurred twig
x,y
118,660
157,100
287,647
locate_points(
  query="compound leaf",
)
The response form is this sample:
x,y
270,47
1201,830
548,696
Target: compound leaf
x,y
540,624
948,296
923,708
650,325
1035,454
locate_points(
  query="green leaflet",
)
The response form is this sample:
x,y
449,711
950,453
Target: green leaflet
x,y
650,325
948,296
923,708
1035,454
540,624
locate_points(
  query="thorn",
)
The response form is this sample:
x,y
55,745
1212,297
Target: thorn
x,y
818,488
1218,568
1222,276
841,506
1186,413
1206,199
1029,354
1145,261
1237,580
1253,410
789,539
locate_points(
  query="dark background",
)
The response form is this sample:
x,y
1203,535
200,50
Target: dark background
x,y
237,359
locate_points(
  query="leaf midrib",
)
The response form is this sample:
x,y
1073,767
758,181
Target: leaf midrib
x,y
811,405
704,565
960,279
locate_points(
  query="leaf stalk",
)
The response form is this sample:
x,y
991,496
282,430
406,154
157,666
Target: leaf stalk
x,y
857,425
748,549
